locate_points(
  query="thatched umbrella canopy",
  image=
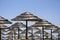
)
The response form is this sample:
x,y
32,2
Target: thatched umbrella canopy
x,y
36,37
42,24
40,32
23,32
4,29
52,27
26,16
16,26
10,35
3,21
57,31
32,30
11,32
29,28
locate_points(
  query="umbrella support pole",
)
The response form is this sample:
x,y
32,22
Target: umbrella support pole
x,y
32,33
26,30
43,32
18,32
58,35
51,34
0,33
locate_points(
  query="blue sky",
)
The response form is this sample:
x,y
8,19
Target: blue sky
x,y
45,9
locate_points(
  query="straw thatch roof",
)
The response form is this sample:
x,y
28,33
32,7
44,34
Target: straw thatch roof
x,y
23,32
51,27
26,16
31,28
45,24
38,32
3,26
42,23
18,24
57,30
4,21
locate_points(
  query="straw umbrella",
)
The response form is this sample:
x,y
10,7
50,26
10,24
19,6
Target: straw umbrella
x,y
5,34
12,33
3,21
9,35
26,16
51,27
57,31
31,28
40,32
5,29
42,24
48,34
23,32
17,25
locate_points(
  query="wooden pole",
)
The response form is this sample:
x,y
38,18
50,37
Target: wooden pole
x,y
26,30
43,32
0,33
51,34
18,33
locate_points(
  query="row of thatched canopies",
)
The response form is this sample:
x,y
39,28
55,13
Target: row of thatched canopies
x,y
10,34
15,29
